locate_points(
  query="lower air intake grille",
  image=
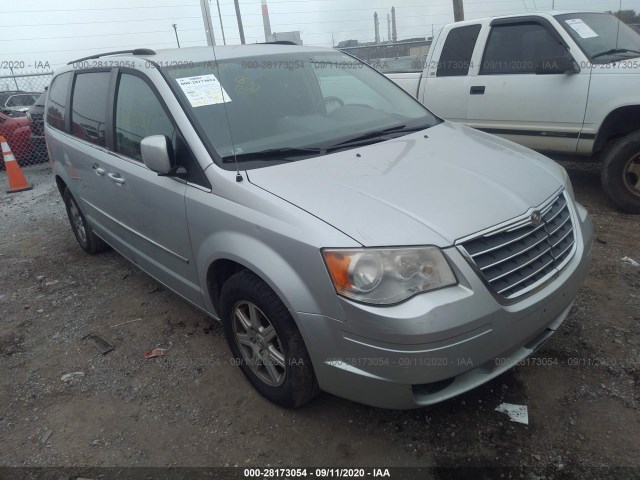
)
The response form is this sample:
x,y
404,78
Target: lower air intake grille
x,y
515,258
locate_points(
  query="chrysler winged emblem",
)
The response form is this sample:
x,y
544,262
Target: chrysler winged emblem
x,y
536,217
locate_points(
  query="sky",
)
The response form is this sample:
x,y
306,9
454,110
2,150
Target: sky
x,y
39,35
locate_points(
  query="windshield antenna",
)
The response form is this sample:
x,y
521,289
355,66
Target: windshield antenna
x,y
239,177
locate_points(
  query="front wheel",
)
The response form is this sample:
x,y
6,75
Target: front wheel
x,y
621,173
266,342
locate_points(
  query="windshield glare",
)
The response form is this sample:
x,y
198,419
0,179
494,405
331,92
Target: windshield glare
x,y
292,101
597,33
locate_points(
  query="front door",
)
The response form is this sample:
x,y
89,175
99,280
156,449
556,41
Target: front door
x,y
150,208
507,98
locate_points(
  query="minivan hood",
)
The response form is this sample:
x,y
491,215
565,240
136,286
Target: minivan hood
x,y
417,190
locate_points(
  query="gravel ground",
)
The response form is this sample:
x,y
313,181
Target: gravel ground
x,y
194,408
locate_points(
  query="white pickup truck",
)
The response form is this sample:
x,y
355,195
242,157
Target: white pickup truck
x,y
556,82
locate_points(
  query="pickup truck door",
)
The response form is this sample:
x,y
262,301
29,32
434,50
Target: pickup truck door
x,y
506,96
444,91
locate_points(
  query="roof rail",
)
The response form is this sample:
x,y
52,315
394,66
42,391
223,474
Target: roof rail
x,y
279,42
137,51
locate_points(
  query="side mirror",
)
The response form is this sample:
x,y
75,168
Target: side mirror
x,y
556,66
157,153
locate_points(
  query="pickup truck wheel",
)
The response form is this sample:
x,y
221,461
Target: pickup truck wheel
x,y
87,240
265,341
621,173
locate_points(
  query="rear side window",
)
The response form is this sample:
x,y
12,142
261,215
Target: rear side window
x,y
58,100
455,58
139,114
89,107
517,49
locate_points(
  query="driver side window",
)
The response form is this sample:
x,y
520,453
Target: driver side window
x,y
139,114
517,49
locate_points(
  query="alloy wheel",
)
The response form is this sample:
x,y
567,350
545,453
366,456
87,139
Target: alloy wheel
x,y
259,343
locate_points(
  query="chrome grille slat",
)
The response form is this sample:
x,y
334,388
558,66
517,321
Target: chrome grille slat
x,y
526,278
508,243
565,250
560,241
561,225
498,277
486,267
541,249
547,220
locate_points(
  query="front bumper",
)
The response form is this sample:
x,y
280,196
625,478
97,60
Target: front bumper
x,y
443,343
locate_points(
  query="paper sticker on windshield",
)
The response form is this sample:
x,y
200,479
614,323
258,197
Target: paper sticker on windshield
x,y
581,28
203,90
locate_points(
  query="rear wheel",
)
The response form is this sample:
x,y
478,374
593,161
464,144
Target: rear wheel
x,y
266,342
87,240
621,173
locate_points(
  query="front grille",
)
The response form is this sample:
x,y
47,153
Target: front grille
x,y
517,257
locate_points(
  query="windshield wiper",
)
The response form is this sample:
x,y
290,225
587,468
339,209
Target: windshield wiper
x,y
375,135
272,154
613,51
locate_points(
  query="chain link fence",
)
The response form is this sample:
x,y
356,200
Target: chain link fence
x,y
22,116
405,56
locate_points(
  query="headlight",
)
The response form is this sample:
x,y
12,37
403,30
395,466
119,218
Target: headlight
x,y
387,276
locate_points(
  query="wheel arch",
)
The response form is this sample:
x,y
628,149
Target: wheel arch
x,y
618,123
61,184
226,253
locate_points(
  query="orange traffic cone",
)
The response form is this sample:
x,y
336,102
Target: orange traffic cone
x,y
17,182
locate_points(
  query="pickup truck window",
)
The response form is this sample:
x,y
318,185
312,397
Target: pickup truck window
x,y
455,59
602,37
517,49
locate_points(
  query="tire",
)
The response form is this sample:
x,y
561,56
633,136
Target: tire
x,y
87,240
621,173
287,378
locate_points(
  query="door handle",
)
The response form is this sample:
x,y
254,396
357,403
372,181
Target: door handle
x,y
477,90
116,178
99,171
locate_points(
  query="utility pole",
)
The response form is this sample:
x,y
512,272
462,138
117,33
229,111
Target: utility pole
x,y
458,11
240,28
224,40
175,29
206,18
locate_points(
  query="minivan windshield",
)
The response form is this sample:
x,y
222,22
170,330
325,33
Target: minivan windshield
x,y
602,37
287,107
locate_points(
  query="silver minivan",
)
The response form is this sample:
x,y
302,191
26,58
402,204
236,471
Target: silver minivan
x,y
348,239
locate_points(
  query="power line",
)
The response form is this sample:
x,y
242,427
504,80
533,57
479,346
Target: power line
x,y
98,9
110,34
91,23
96,48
